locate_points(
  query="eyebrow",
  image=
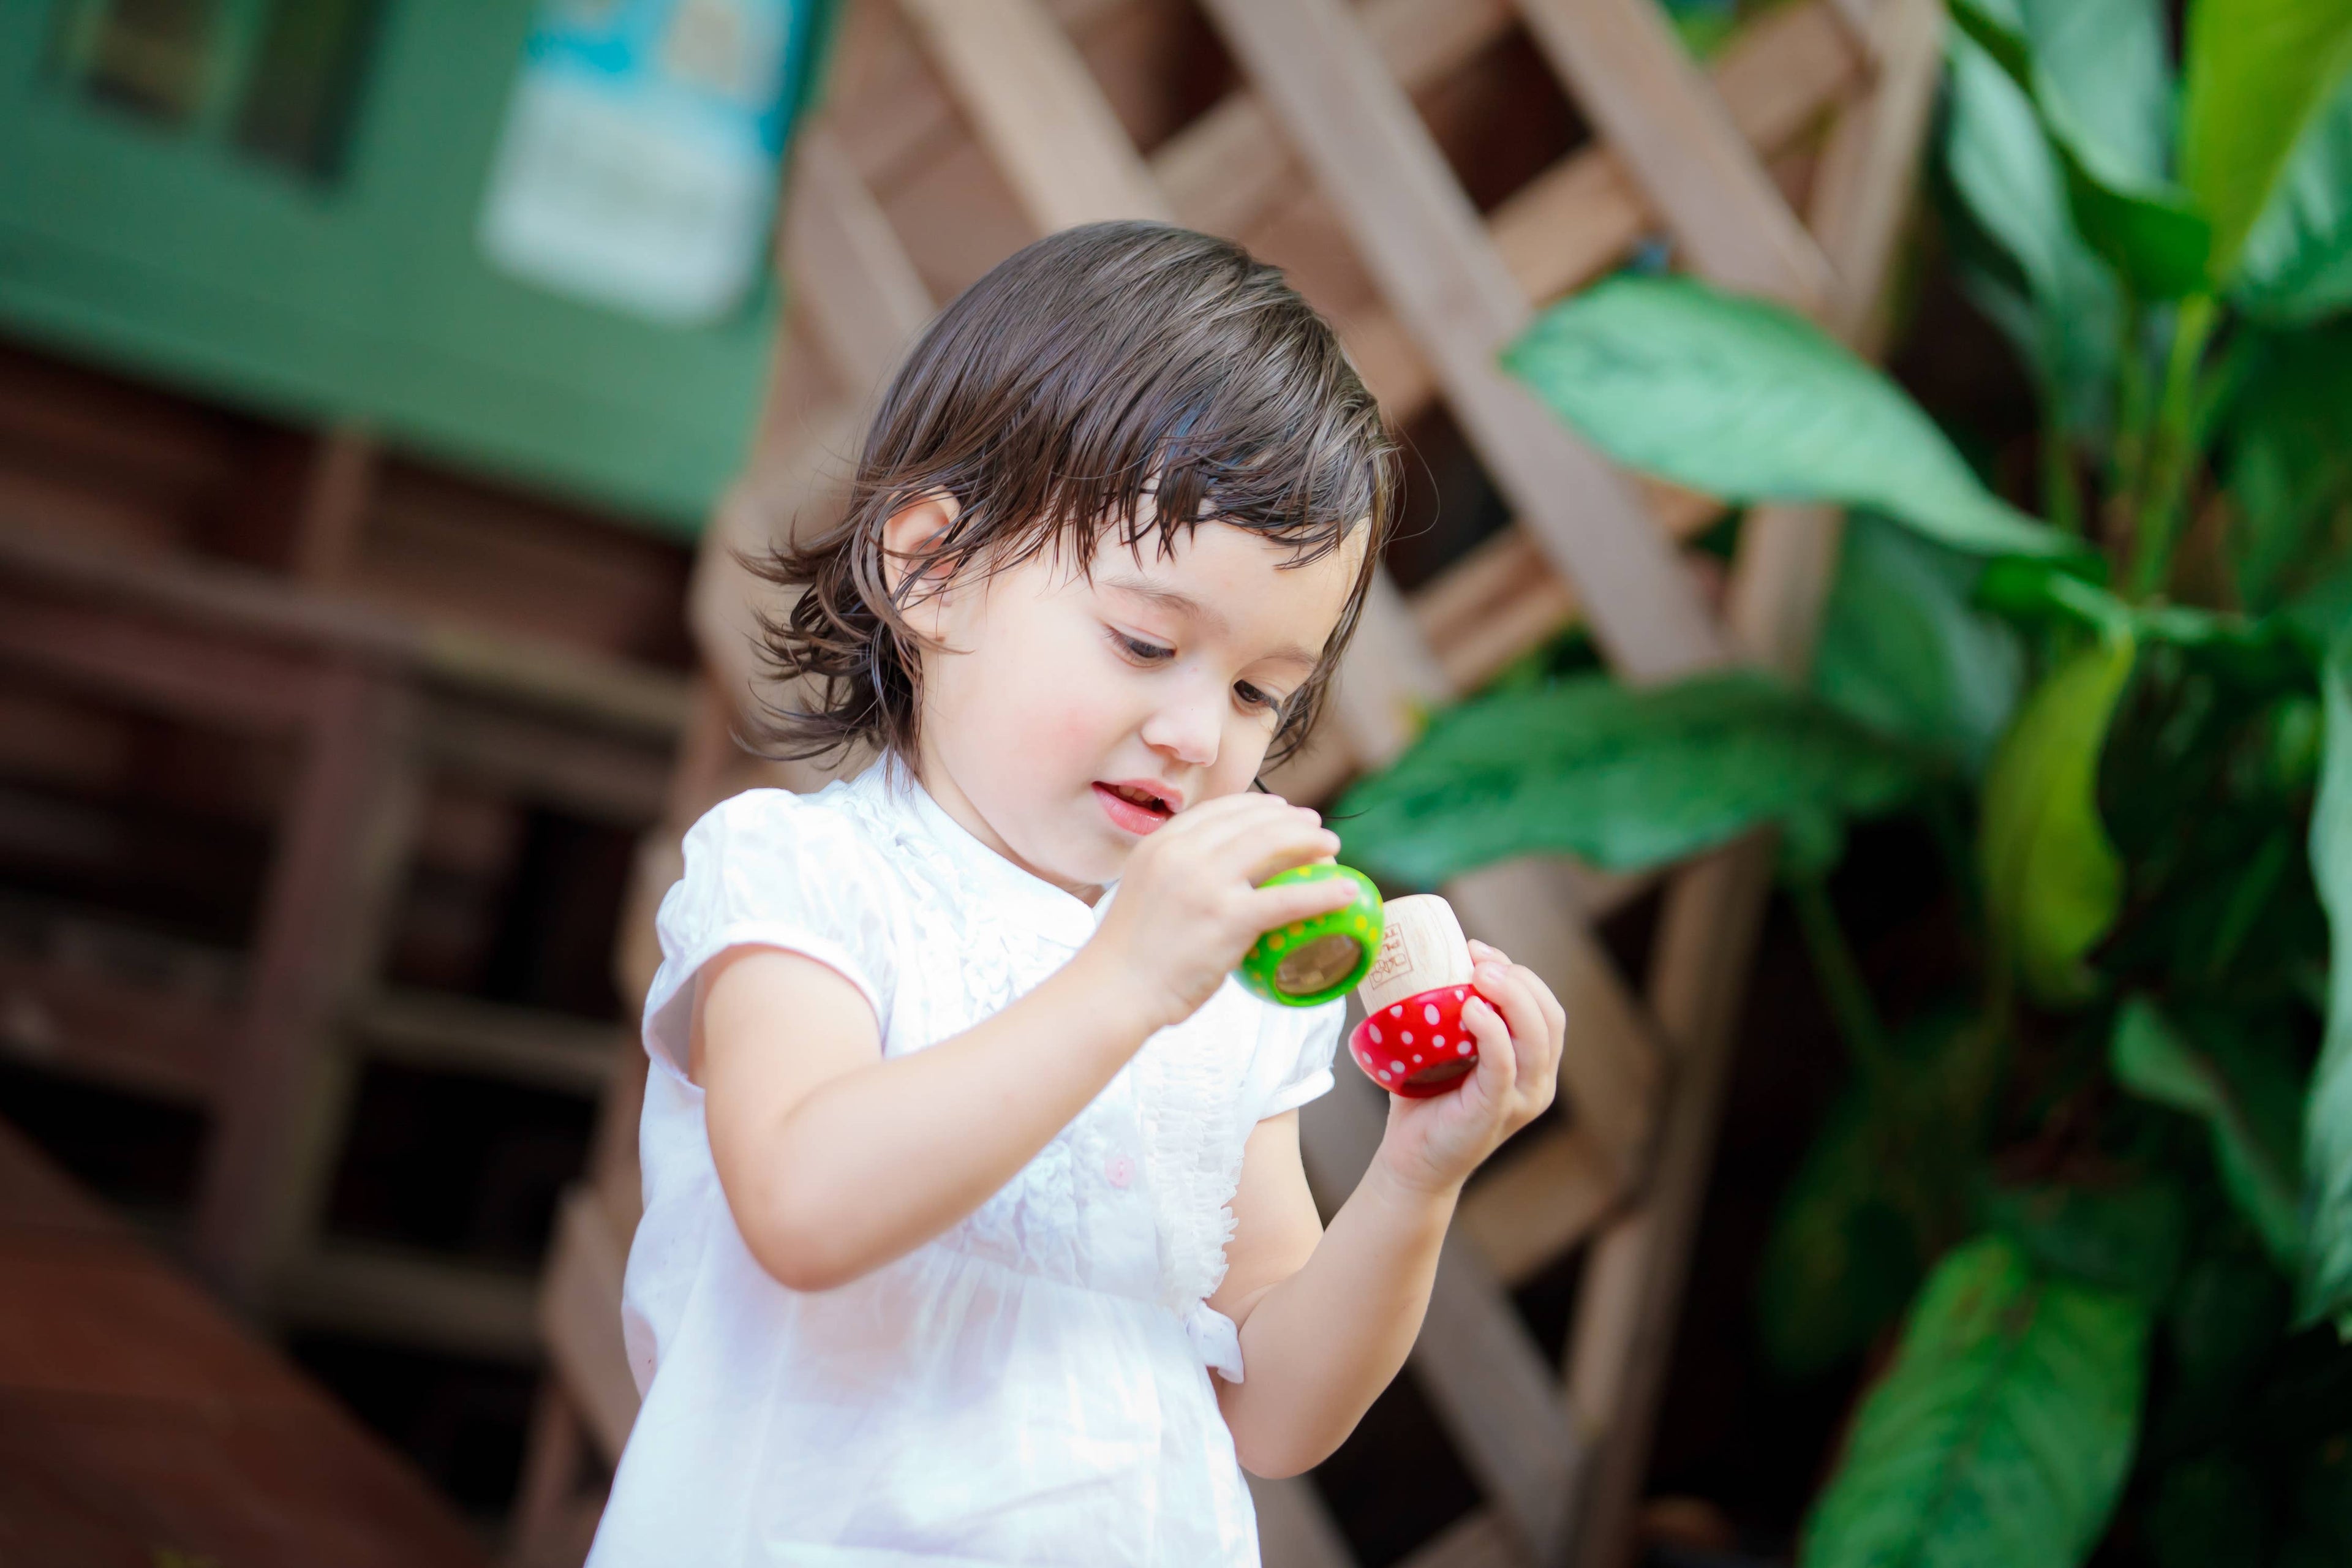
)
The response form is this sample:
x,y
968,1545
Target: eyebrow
x,y
1184,604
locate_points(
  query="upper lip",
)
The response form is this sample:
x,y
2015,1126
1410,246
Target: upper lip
x,y
1172,797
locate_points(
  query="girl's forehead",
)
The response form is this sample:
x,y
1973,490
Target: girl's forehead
x,y
1231,579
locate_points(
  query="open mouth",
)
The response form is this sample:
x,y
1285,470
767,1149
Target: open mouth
x,y
1134,808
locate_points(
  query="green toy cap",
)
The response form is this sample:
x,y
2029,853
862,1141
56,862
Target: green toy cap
x,y
1309,962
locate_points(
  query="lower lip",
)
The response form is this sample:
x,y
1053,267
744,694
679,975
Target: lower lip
x,y
1130,815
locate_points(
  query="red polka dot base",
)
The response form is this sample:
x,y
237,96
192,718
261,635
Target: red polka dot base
x,y
1419,1046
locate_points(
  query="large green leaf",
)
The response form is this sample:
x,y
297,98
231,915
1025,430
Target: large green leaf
x,y
2297,264
2327,1286
2149,230
2004,169
2000,1436
1621,778
1903,650
2107,70
1747,401
2251,1114
2053,883
2257,71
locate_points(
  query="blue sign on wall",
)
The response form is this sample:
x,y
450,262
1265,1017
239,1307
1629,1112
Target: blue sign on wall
x,y
638,167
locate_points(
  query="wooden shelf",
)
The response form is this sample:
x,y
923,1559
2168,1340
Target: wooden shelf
x,y
428,1029
413,1297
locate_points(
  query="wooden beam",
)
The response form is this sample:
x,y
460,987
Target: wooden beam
x,y
1586,214
326,890
336,496
1228,168
1037,108
1293,1528
580,1319
485,1039
547,761
1628,1305
414,1298
840,250
1610,1067
153,664
1477,1540
1424,244
87,1023
1536,1203
1634,79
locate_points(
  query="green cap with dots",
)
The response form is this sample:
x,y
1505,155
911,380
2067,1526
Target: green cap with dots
x,y
1309,962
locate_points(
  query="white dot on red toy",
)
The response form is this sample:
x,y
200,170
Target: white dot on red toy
x,y
1463,1048
1398,1066
1397,1011
1374,1030
1429,1011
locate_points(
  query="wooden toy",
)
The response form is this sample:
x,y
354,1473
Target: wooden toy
x,y
1413,1041
1310,961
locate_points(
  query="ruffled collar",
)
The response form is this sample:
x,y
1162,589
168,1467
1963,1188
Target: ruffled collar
x,y
987,877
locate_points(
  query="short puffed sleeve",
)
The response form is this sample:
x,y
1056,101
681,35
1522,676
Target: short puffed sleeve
x,y
1311,1036
773,869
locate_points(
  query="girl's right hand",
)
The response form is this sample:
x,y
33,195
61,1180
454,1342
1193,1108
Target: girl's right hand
x,y
1189,906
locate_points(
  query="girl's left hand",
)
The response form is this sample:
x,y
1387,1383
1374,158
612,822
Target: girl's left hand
x,y
1433,1145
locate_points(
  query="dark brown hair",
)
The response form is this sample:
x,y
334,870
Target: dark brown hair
x,y
1090,372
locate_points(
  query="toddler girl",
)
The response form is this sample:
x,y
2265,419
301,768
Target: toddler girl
x,y
973,1185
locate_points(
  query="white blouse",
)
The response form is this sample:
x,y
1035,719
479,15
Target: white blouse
x,y
1032,1386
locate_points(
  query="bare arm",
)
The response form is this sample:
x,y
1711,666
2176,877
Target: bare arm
x,y
1327,1318
835,1159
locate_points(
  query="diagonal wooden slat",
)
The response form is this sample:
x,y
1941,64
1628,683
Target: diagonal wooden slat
x,y
1038,111
1417,235
1635,78
839,247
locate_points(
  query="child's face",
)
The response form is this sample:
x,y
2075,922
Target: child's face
x,y
1164,673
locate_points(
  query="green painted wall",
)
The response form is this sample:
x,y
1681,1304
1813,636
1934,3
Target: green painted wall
x,y
364,298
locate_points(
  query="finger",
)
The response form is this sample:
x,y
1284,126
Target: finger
x,y
1271,906
1227,811
1503,984
1498,1068
1257,850
1482,951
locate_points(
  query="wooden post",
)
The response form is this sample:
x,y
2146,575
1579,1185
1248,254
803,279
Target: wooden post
x,y
318,904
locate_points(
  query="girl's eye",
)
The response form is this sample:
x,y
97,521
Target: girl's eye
x,y
1251,697
1142,652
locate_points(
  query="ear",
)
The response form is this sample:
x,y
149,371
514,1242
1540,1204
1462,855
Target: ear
x,y
908,538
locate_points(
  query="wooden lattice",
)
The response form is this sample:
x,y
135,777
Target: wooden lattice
x,y
959,128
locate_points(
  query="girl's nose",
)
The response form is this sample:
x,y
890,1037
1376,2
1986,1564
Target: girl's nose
x,y
1188,728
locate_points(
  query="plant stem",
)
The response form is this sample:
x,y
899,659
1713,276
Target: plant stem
x,y
1841,978
2061,504
2170,447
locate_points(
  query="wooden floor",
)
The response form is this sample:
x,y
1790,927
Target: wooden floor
x,y
139,1426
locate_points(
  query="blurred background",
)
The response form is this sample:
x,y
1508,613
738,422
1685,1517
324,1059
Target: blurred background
x,y
385,386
